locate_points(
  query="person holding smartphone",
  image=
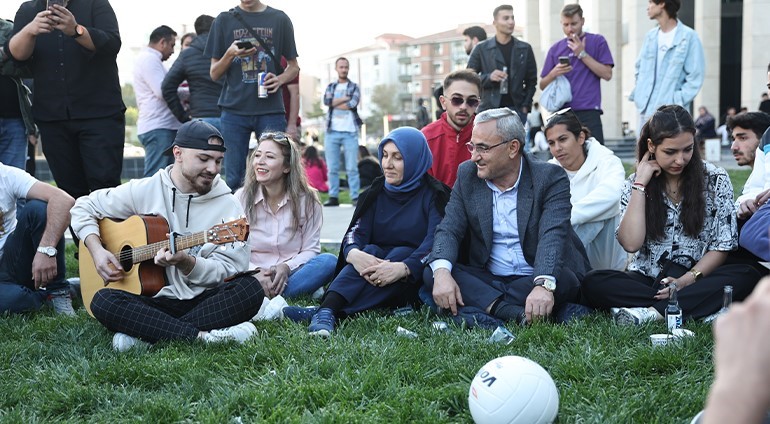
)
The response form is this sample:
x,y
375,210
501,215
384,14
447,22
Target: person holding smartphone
x,y
584,59
71,48
678,219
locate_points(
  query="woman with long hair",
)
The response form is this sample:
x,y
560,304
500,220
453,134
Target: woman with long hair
x,y
595,181
315,169
285,218
380,261
678,219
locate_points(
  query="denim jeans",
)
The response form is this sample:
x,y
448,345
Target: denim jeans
x,y
348,141
155,143
13,142
312,275
216,122
17,287
237,129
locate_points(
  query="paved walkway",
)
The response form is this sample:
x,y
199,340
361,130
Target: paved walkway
x,y
336,220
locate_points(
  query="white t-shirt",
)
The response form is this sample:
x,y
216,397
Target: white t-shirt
x,y
342,119
665,40
14,185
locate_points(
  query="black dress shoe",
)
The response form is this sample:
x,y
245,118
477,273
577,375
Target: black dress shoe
x,y
333,201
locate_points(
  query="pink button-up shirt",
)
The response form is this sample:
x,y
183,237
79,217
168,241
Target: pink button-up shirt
x,y
272,240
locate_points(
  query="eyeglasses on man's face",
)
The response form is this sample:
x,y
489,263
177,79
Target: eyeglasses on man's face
x,y
458,101
483,148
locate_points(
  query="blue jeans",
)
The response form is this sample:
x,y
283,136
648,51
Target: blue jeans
x,y
13,142
312,275
332,143
155,143
237,129
216,122
17,286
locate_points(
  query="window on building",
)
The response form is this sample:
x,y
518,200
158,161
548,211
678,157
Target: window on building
x,y
376,60
438,68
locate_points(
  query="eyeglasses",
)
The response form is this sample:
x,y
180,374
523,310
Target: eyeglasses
x,y
275,136
567,111
458,101
482,149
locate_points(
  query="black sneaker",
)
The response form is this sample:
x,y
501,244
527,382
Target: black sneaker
x,y
333,201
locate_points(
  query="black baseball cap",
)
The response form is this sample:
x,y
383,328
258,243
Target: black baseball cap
x,y
195,134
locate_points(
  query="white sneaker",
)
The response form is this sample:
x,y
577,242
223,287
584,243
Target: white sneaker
x,y
123,342
634,316
318,294
62,302
238,333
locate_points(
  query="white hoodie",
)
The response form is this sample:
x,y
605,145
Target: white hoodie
x,y
596,188
185,213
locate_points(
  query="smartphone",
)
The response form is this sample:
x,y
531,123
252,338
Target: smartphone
x,y
564,60
59,2
244,44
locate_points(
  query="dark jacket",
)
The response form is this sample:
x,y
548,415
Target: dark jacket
x,y
368,197
543,216
522,73
192,66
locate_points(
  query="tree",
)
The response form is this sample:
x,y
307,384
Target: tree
x,y
385,103
129,98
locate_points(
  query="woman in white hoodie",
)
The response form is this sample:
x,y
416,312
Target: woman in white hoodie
x,y
596,180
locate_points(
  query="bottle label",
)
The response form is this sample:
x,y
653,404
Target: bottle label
x,y
674,321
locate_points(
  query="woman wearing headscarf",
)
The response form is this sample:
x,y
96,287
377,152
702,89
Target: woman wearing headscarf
x,y
380,261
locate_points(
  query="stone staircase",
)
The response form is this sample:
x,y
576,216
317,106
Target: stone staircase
x,y
624,148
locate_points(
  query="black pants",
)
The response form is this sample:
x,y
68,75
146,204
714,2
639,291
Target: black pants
x,y
84,154
154,318
592,119
605,289
479,287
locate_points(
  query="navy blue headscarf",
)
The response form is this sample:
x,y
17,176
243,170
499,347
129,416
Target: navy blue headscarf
x,y
418,159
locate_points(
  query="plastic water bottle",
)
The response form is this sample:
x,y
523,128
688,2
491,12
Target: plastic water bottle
x,y
504,83
673,311
727,299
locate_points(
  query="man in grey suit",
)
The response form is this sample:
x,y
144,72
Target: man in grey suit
x,y
524,258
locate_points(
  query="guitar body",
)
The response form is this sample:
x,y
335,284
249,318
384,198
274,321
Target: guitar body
x,y
120,238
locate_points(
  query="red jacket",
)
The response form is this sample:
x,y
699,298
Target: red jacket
x,y
448,148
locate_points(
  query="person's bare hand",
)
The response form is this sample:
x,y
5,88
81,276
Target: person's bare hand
x,y
560,69
539,304
446,292
279,276
385,273
746,209
646,169
498,75
63,20
361,260
107,265
41,24
43,269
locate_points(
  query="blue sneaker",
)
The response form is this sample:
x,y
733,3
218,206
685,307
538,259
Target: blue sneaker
x,y
300,314
570,312
475,317
322,323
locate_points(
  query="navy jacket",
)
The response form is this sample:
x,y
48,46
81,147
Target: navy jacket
x,y
192,66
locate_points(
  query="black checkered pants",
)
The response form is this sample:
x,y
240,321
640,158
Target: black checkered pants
x,y
154,318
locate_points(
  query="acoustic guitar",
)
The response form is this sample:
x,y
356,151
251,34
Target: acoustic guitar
x,y
135,242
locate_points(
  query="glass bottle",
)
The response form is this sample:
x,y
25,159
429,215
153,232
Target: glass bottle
x,y
727,299
504,83
673,311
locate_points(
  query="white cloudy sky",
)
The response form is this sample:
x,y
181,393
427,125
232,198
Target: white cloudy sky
x,y
323,28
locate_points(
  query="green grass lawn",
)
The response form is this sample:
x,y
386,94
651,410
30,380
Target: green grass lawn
x,y
64,370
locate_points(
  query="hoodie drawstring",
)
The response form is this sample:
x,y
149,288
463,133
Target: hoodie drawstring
x,y
173,198
187,220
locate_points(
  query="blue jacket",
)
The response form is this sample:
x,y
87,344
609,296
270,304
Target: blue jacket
x,y
684,67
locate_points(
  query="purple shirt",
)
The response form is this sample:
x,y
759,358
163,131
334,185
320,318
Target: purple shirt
x,y
586,93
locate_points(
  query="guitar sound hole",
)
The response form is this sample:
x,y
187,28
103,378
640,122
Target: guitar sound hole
x,y
126,254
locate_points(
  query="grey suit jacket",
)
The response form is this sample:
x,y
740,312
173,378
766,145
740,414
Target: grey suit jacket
x,y
522,72
543,214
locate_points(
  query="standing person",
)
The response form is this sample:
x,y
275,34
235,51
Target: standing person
x,y
705,126
243,111
32,264
472,36
423,118
77,102
17,127
525,261
193,67
315,169
342,97
670,66
195,302
492,57
447,136
589,61
186,41
286,218
381,258
156,126
678,219
290,94
595,182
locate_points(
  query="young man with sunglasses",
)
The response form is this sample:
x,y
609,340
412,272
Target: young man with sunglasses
x,y
525,261
448,135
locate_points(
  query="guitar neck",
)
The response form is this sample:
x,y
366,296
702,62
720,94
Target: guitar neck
x,y
148,251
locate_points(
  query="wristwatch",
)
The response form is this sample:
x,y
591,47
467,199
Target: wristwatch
x,y
79,30
545,283
47,250
582,54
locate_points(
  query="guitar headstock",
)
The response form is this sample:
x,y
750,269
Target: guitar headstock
x,y
228,232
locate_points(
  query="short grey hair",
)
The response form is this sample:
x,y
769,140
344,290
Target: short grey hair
x,y
509,125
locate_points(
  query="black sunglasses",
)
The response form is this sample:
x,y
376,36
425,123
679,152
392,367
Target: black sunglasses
x,y
471,101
